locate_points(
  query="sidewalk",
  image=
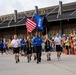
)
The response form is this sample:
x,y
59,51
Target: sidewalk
x,y
66,66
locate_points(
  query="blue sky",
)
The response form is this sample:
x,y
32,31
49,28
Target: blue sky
x,y
8,6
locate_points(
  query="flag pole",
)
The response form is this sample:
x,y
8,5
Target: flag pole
x,y
26,29
46,30
45,22
32,18
27,33
36,12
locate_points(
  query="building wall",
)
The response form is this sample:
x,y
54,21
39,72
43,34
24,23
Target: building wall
x,y
52,29
9,32
67,28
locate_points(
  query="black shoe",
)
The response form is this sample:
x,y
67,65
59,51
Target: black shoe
x,y
18,60
37,62
49,59
40,60
30,59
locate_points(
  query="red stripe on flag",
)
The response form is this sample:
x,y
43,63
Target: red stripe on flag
x,y
30,25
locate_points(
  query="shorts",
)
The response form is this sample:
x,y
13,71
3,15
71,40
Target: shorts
x,y
34,49
29,50
15,50
68,47
1,49
58,48
23,48
47,48
5,49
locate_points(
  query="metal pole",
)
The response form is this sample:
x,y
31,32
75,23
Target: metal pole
x,y
15,16
60,7
61,27
36,9
15,19
60,13
36,12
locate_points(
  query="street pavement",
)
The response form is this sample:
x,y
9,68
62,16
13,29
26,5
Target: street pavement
x,y
65,66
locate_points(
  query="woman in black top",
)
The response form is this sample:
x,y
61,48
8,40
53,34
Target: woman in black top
x,y
47,47
29,48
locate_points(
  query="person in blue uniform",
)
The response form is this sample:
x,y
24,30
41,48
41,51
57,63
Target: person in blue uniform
x,y
23,46
1,46
5,47
38,41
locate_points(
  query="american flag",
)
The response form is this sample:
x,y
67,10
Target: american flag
x,y
30,25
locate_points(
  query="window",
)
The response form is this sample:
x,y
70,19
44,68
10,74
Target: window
x,y
39,12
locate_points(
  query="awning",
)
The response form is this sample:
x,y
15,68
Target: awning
x,y
64,16
21,22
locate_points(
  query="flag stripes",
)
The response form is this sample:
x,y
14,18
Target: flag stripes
x,y
30,25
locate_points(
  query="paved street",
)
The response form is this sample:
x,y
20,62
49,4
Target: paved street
x,y
66,66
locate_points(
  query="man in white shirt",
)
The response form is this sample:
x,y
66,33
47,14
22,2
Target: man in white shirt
x,y
16,44
57,41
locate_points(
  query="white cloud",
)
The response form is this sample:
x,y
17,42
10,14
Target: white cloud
x,y
8,6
